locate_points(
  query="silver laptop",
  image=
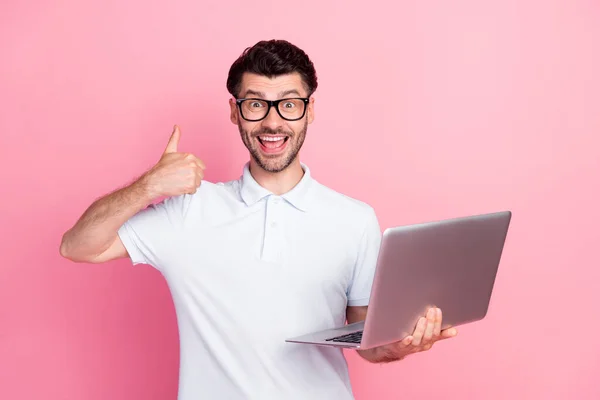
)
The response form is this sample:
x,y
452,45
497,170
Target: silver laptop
x,y
450,264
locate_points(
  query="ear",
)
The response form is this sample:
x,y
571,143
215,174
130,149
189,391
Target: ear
x,y
233,115
311,110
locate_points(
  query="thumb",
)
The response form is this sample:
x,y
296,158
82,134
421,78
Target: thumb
x,y
173,141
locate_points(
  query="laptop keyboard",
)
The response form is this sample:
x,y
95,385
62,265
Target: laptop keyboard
x,y
354,337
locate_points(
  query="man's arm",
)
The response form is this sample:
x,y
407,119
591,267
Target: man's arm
x,y
95,239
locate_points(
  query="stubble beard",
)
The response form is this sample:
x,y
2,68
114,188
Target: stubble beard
x,y
280,162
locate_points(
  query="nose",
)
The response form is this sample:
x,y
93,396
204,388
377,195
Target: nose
x,y
272,120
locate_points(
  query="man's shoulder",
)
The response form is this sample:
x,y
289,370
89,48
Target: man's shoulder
x,y
207,194
333,200
218,188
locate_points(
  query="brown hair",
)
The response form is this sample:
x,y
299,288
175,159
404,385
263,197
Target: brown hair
x,y
272,58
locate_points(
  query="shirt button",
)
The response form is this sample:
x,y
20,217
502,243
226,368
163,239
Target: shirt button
x,y
273,224
276,200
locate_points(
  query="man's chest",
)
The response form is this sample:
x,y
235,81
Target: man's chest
x,y
265,249
294,274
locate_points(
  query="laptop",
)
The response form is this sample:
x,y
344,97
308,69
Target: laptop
x,y
450,264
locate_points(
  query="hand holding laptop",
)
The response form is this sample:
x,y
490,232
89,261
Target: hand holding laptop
x,y
427,332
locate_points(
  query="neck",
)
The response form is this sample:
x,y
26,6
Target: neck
x,y
278,182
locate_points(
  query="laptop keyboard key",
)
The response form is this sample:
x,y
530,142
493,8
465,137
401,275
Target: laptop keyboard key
x,y
354,337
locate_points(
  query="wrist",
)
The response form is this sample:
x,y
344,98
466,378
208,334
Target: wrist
x,y
144,190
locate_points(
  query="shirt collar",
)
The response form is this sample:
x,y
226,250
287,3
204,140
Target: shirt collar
x,y
252,192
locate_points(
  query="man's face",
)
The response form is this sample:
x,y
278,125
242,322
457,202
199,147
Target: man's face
x,y
273,142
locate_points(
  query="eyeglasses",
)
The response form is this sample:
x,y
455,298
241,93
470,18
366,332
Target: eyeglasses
x,y
254,110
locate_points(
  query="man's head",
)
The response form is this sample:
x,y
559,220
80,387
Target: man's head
x,y
269,71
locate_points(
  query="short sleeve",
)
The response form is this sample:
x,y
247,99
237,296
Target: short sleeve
x,y
359,290
148,234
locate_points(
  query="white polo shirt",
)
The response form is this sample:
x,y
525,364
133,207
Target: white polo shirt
x,y
248,269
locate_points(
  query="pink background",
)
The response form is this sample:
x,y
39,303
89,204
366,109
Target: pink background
x,y
426,110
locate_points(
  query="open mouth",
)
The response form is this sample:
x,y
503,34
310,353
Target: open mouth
x,y
272,143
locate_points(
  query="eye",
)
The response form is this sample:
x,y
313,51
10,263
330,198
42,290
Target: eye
x,y
255,104
289,104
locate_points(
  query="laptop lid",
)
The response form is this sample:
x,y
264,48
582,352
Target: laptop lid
x,y
450,264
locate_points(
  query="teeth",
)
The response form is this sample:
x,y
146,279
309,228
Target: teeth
x,y
271,139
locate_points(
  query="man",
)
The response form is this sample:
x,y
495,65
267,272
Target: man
x,y
252,261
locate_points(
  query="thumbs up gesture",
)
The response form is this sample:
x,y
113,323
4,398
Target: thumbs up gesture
x,y
175,173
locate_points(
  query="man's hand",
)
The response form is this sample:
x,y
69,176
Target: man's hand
x,y
175,173
427,332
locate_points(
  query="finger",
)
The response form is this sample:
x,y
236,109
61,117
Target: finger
x,y
419,331
190,189
199,177
405,342
200,163
437,328
449,333
195,162
173,141
428,335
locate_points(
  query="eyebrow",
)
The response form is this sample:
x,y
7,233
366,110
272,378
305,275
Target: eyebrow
x,y
257,93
